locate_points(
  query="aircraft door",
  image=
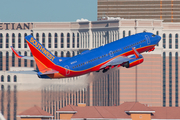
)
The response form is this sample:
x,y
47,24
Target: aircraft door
x,y
111,53
67,70
147,39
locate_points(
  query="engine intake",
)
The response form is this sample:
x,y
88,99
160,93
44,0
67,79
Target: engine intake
x,y
133,62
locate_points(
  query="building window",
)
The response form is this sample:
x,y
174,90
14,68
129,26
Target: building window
x,y
25,43
43,39
77,40
62,40
32,62
49,40
25,60
2,78
7,40
62,54
1,61
68,40
176,41
37,36
129,33
170,79
19,61
55,40
55,53
13,40
176,80
7,61
164,79
73,54
157,33
68,54
13,59
19,40
164,40
124,34
8,78
170,41
73,42
1,40
15,78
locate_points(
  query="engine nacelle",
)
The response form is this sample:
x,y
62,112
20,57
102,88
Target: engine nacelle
x,y
133,62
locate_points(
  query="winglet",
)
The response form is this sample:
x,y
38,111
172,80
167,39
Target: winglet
x,y
16,53
135,52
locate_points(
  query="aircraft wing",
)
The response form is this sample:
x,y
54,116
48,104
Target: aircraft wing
x,y
20,56
116,61
121,59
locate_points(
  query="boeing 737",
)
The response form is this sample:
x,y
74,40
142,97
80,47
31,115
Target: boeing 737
x,y
123,52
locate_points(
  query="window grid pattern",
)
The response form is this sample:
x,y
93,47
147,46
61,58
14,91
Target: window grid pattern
x,y
19,40
77,40
176,80
43,39
7,61
49,40
55,41
13,40
176,41
7,40
25,43
1,40
68,40
170,79
19,61
164,40
164,79
62,40
170,41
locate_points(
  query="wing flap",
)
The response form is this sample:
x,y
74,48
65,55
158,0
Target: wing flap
x,y
116,61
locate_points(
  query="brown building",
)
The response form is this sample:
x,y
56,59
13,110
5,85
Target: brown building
x,y
34,113
167,10
127,111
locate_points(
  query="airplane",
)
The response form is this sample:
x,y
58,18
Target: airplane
x,y
123,52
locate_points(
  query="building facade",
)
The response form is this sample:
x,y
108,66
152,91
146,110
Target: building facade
x,y
154,82
167,10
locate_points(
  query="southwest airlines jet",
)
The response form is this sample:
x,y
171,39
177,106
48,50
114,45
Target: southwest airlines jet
x,y
123,52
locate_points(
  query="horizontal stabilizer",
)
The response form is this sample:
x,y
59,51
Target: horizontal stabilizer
x,y
48,71
20,56
24,72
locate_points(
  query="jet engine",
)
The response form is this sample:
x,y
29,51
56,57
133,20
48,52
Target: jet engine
x,y
133,62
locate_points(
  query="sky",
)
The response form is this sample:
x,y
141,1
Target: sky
x,y
47,10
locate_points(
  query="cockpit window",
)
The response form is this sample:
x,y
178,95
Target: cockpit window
x,y
153,35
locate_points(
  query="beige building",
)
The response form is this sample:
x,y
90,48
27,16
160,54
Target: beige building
x,y
154,82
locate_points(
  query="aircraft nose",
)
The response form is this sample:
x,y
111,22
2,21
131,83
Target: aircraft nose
x,y
159,38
